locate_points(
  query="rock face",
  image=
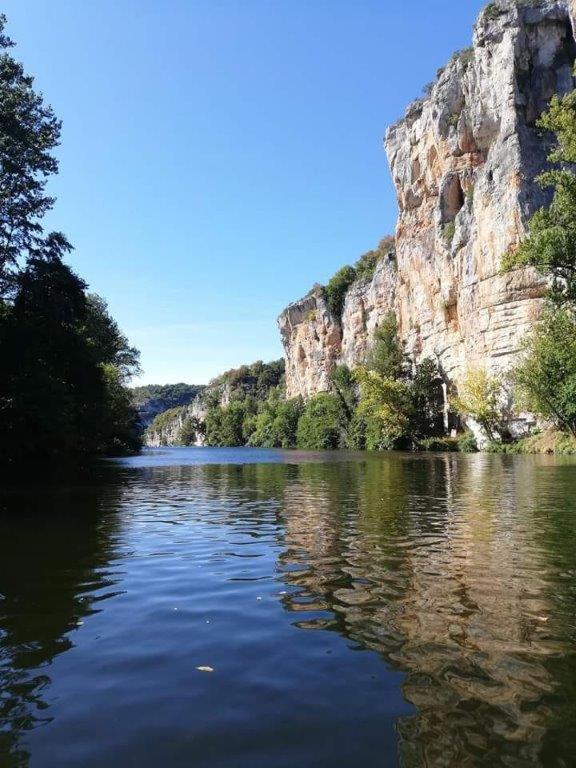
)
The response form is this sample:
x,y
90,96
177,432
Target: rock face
x,y
463,161
171,429
312,339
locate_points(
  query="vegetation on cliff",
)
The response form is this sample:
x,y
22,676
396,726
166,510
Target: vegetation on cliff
x,y
65,362
154,399
340,283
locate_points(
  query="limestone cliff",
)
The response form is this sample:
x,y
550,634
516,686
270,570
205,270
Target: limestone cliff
x,y
463,161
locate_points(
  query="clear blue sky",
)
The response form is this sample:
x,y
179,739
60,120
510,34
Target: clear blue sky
x,y
220,156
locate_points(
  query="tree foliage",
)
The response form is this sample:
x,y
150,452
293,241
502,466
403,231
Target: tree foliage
x,y
337,288
65,362
551,243
61,394
480,398
276,424
386,356
546,374
29,132
321,424
385,407
339,284
400,403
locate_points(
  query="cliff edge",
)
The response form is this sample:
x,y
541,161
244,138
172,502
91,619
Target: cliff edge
x,y
463,161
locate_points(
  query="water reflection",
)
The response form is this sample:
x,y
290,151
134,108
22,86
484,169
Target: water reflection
x,y
459,572
57,553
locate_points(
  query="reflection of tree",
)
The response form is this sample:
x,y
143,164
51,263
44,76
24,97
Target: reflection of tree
x,y
443,565
56,562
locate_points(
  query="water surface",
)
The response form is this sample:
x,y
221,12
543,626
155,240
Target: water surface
x,y
356,610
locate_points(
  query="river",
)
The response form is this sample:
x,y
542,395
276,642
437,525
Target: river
x,y
242,608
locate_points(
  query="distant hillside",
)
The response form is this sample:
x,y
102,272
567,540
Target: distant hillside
x,y
226,411
152,399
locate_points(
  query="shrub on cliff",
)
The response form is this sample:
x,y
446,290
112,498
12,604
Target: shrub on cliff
x,y
337,289
366,265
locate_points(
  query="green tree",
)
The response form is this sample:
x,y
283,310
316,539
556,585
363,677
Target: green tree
x,y
546,374
551,243
480,398
321,424
224,425
51,383
427,401
110,346
386,356
29,133
385,408
276,424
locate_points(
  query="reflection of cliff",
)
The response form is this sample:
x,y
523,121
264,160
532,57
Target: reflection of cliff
x,y
57,549
442,565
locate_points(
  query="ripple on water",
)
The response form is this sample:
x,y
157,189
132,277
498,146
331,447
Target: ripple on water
x,y
441,593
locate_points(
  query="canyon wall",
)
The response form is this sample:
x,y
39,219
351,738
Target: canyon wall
x,y
463,161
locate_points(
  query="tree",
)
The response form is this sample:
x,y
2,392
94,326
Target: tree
x,y
320,426
65,361
345,388
276,424
551,243
224,426
480,398
386,356
427,411
109,344
546,374
29,132
385,407
51,383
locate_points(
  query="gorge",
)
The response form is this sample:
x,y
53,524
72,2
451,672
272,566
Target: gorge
x,y
464,161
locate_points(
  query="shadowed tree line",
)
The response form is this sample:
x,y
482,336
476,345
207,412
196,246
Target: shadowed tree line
x,y
65,362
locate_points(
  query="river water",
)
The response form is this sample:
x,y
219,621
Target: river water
x,y
355,610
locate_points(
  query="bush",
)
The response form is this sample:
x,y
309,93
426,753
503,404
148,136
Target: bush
x,y
439,444
366,264
448,232
337,289
467,442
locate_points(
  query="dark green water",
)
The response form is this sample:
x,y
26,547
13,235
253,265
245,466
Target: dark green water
x,y
357,611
